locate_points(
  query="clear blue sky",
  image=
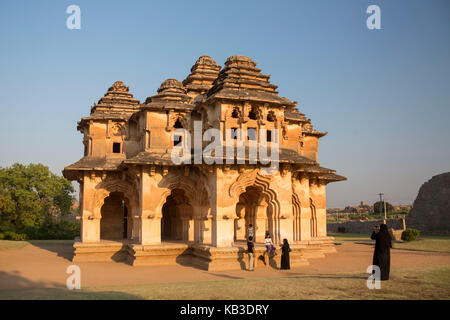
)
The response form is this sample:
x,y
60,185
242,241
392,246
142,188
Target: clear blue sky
x,y
383,95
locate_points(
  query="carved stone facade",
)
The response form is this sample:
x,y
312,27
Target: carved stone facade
x,y
131,190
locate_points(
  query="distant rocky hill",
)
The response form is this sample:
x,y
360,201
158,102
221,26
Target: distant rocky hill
x,y
431,209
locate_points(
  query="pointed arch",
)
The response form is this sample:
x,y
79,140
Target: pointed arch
x,y
254,179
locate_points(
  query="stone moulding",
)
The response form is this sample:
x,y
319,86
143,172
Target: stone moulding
x,y
199,256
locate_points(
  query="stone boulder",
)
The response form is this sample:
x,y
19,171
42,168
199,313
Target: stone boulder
x,y
431,209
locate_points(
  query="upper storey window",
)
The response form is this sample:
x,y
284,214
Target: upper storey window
x,y
178,124
271,116
235,113
177,137
116,147
253,114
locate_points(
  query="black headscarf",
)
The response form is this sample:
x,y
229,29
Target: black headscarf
x,y
383,236
286,244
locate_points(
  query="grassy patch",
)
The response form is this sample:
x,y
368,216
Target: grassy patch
x,y
349,236
408,283
51,241
427,243
10,244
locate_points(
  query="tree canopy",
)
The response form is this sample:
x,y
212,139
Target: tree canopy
x,y
31,194
378,207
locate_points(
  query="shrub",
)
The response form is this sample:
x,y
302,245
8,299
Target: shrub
x,y
10,235
410,234
54,230
2,236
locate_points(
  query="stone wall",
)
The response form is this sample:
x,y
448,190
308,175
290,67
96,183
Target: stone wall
x,y
431,209
361,226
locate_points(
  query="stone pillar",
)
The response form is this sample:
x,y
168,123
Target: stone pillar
x,y
150,221
191,230
260,222
302,187
136,228
317,192
240,229
285,221
90,215
223,227
206,230
286,228
187,226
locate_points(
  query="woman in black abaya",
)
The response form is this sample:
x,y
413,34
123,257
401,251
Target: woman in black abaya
x,y
285,249
382,254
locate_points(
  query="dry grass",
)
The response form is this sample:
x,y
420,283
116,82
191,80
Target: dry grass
x,y
430,243
10,244
412,283
427,243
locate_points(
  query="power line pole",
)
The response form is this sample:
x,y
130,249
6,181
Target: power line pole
x,y
381,200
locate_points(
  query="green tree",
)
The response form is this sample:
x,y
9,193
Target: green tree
x,y
378,207
30,195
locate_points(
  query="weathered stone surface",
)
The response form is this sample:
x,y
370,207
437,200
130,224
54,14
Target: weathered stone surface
x,y
431,209
128,147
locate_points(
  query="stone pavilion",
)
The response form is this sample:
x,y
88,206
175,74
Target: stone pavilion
x,y
138,206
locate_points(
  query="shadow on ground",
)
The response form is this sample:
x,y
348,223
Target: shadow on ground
x,y
13,286
63,250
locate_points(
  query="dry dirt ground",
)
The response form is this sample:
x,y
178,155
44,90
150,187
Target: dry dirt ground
x,y
44,266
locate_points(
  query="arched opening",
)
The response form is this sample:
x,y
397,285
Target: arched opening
x,y
254,208
177,124
236,113
177,217
271,116
114,221
253,114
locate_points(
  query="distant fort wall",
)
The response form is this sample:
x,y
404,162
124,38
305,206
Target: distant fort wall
x,y
362,226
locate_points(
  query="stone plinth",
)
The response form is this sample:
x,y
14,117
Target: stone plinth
x,y
205,257
156,255
102,251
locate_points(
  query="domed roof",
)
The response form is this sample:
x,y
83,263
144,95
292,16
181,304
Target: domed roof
x,y
171,85
203,73
118,94
241,80
170,90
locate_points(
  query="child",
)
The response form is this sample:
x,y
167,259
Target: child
x,y
250,231
251,253
269,244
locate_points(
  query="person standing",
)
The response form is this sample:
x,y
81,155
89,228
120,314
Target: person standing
x,y
250,231
251,253
285,261
382,253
